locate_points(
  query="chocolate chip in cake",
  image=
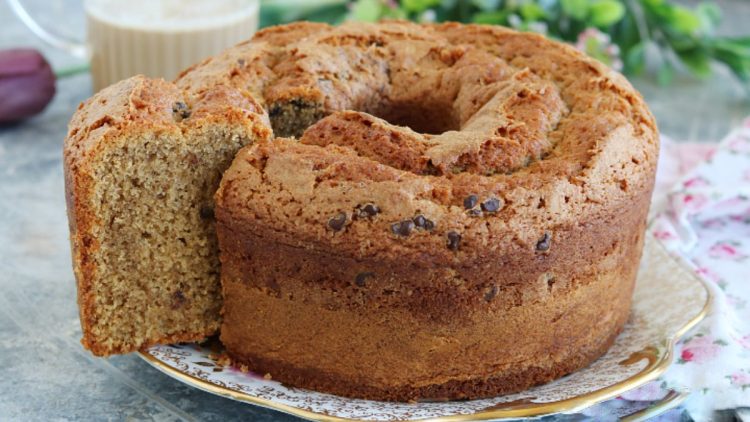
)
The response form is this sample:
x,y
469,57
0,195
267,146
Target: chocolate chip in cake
x,y
337,222
544,243
361,278
474,212
241,62
273,286
178,299
423,223
180,111
430,169
207,212
454,240
402,228
491,293
491,205
368,210
470,202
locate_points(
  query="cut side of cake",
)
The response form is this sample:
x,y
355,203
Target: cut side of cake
x,y
142,162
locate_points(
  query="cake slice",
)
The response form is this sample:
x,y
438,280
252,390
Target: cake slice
x,y
142,162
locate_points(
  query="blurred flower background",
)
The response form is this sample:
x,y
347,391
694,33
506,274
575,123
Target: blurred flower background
x,y
690,59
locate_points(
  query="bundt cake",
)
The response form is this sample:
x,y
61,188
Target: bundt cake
x,y
435,211
464,218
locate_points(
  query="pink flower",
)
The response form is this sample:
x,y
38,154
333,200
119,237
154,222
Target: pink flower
x,y
725,250
740,379
708,274
598,45
739,144
745,342
695,182
690,201
699,349
664,234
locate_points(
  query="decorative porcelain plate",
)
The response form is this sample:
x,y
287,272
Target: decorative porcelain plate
x,y
667,302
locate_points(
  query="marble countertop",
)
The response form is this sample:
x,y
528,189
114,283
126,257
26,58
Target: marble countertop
x,y
46,373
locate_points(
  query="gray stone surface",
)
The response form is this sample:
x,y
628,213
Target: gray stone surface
x,y
46,374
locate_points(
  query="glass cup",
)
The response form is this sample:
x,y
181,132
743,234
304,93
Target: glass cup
x,y
157,38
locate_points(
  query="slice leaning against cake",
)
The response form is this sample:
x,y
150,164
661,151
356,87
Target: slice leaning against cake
x,y
143,159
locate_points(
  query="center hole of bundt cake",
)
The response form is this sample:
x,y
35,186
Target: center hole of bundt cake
x,y
292,118
428,118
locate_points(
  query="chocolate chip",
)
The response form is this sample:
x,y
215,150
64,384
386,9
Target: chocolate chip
x,y
402,228
180,110
544,243
273,286
423,223
454,240
337,222
474,212
491,293
470,202
207,212
491,205
241,62
368,210
178,299
360,279
430,169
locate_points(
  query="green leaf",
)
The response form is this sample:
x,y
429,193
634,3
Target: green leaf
x,y
697,61
491,18
486,5
577,9
683,20
635,58
366,10
652,3
606,12
418,5
731,46
532,11
333,14
394,13
739,41
709,14
739,65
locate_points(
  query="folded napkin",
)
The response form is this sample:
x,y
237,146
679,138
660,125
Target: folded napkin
x,y
704,219
701,213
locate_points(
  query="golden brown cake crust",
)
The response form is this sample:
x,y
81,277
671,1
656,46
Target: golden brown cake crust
x,y
491,247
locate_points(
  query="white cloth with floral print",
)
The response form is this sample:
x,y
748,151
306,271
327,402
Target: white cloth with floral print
x,y
705,219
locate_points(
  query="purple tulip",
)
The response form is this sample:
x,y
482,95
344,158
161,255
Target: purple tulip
x,y
27,84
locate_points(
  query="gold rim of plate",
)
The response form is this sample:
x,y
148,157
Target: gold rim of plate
x,y
656,366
